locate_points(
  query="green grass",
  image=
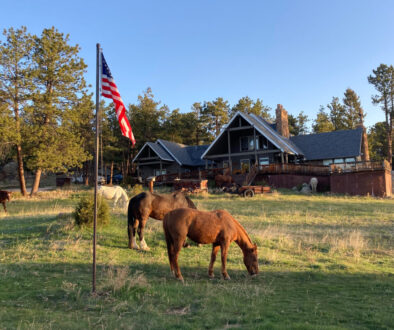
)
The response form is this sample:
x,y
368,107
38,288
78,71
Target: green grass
x,y
326,262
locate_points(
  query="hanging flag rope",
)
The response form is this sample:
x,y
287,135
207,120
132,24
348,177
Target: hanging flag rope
x,y
109,90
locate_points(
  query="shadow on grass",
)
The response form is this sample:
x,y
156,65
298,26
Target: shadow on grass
x,y
283,297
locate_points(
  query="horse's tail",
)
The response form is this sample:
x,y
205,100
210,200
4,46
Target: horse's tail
x,y
169,240
190,203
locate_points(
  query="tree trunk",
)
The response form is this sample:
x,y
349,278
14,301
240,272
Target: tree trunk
x,y
21,173
36,183
390,141
111,173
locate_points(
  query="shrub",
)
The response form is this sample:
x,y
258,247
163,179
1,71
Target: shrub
x,y
137,189
84,211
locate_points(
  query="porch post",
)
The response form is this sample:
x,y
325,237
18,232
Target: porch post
x,y
161,167
229,152
282,158
254,144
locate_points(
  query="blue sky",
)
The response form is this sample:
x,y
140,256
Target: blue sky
x,y
297,53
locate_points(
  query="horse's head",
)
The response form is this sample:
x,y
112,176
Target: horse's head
x,y
251,261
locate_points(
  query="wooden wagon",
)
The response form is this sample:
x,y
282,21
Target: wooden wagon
x,y
250,191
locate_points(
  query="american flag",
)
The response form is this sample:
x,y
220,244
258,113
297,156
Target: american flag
x,y
109,90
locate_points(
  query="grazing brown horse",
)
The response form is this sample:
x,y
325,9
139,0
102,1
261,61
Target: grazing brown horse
x,y
4,197
216,227
156,206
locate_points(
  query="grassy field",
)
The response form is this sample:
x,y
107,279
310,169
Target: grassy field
x,y
325,262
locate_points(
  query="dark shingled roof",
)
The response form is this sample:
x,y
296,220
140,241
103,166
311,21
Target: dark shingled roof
x,y
337,144
160,151
183,154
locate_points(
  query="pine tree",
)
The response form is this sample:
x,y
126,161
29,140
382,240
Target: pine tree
x,y
146,118
353,109
322,122
383,81
337,114
15,89
54,143
247,105
214,115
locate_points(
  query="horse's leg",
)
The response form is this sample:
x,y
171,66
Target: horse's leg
x,y
131,229
224,250
215,249
176,248
5,208
141,227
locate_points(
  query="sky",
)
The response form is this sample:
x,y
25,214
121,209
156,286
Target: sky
x,y
296,53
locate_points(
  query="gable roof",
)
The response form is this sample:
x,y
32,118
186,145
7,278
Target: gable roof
x,y
158,150
172,151
266,129
336,144
183,154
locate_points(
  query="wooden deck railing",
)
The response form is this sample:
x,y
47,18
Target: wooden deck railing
x,y
301,169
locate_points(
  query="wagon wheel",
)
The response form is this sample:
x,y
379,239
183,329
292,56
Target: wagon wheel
x,y
248,193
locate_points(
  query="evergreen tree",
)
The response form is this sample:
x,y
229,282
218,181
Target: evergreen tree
x,y
383,81
247,105
15,90
322,122
214,115
353,109
298,125
337,114
147,118
377,141
55,145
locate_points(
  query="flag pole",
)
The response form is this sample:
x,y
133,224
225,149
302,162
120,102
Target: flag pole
x,y
96,164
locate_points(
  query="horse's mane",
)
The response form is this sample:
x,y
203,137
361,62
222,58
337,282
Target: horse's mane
x,y
190,203
242,229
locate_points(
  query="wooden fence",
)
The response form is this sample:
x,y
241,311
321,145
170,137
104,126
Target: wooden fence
x,y
300,169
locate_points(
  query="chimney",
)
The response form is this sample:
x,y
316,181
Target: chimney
x,y
364,139
282,122
364,145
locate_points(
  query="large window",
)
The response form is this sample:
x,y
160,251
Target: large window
x,y
247,143
263,143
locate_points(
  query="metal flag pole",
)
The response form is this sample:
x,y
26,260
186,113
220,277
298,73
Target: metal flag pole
x,y
96,158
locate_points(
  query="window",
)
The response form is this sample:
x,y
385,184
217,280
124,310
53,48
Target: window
x,y
225,164
244,143
327,162
263,143
247,143
157,172
245,165
350,160
264,161
338,161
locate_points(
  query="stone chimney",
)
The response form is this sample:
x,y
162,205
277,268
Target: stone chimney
x,y
282,122
364,145
364,139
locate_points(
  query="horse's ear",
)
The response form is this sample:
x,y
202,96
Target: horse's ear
x,y
255,247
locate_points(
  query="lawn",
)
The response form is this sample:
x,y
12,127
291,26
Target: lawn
x,y
326,262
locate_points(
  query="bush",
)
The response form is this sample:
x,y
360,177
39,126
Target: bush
x,y
84,211
137,189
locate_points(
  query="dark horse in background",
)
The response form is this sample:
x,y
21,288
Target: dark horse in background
x,y
4,197
153,205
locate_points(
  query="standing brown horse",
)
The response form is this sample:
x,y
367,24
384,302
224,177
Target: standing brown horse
x,y
216,227
156,206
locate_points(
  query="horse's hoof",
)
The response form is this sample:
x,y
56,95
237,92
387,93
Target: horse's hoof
x,y
145,248
226,278
211,276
